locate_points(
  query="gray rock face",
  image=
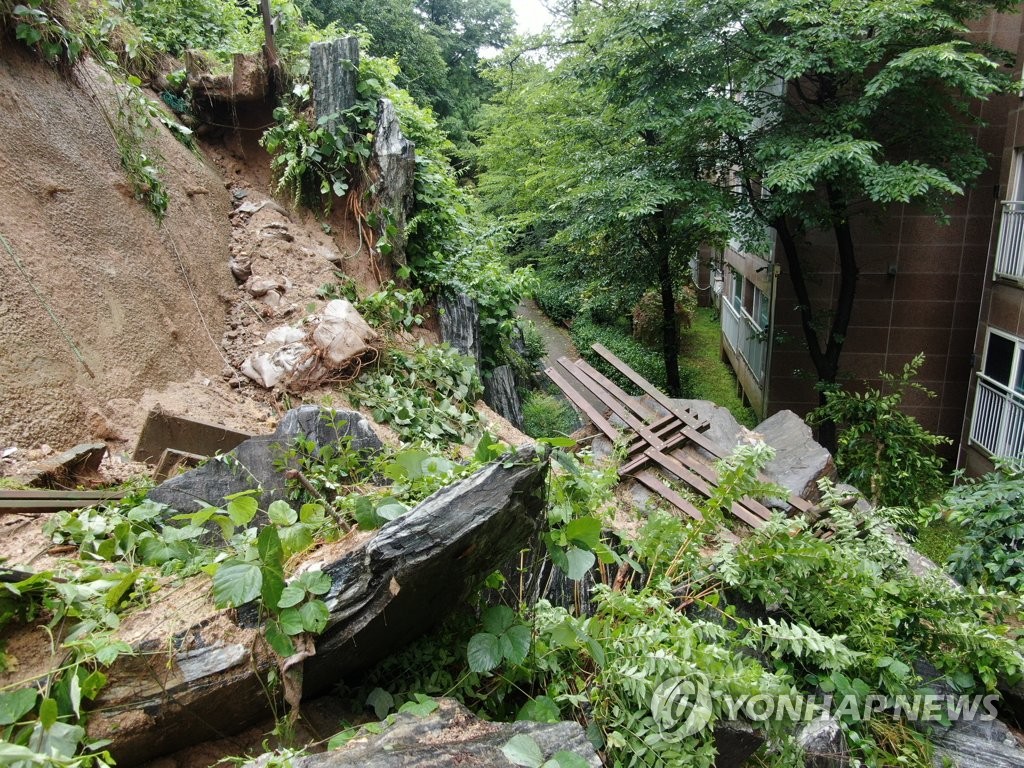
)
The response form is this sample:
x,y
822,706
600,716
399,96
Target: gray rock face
x,y
256,462
977,744
334,72
823,743
201,674
460,324
449,736
394,160
500,393
799,460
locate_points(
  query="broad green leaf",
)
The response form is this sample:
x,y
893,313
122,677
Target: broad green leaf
x,y
340,739
497,619
522,750
483,652
291,595
421,706
316,582
236,583
291,621
391,510
519,640
295,538
312,514
48,712
242,510
542,709
16,704
585,531
579,562
278,640
563,759
381,702
280,513
315,616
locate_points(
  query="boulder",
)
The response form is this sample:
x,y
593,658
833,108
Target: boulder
x,y
448,736
201,673
334,72
799,460
257,462
500,393
393,162
823,743
460,324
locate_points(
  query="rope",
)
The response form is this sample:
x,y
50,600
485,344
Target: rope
x,y
46,306
195,299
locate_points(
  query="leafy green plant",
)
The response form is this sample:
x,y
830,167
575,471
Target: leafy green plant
x,y
426,394
989,512
39,25
884,452
545,415
392,309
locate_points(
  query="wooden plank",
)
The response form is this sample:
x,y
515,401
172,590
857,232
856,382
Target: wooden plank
x,y
581,402
711,476
616,391
44,506
645,385
655,483
677,468
102,495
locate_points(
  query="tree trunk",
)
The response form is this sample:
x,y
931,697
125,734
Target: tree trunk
x,y
825,357
669,321
269,48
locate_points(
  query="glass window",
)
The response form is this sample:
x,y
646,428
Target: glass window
x,y
999,358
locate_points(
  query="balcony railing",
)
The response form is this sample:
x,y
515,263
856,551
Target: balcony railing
x,y
1010,251
745,338
998,421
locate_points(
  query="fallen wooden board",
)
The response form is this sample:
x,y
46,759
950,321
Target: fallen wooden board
x,y
45,502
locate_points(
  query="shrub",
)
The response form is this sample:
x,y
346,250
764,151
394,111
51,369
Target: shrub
x,y
990,513
647,315
545,415
883,451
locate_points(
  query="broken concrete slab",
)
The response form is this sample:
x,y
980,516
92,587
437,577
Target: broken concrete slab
x,y
200,672
164,430
259,462
450,735
68,469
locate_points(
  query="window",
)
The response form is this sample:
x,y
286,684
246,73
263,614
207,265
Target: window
x,y
737,291
761,309
1004,361
997,425
748,298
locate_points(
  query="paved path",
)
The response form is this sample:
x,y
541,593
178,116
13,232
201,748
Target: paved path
x,y
557,342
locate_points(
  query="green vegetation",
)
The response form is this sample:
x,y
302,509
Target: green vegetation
x,y
545,415
989,512
712,379
882,450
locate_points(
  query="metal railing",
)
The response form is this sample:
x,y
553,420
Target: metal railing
x,y
1010,250
998,421
746,339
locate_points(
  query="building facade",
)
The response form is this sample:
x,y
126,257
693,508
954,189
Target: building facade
x,y
924,286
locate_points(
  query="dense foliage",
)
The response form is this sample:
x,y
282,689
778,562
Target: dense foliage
x,y
882,450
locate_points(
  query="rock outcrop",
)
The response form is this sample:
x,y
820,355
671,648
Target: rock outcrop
x,y
200,673
449,736
334,72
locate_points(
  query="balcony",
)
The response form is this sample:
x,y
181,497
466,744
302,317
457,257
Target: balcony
x,y
1010,250
998,421
745,338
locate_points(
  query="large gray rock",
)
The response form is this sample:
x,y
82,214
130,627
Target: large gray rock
x,y
259,462
393,161
977,744
500,393
334,72
823,743
198,672
460,324
449,736
799,460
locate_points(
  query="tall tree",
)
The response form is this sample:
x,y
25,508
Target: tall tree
x,y
613,149
852,106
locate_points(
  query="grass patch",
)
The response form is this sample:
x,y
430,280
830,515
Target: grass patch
x,y
712,379
938,539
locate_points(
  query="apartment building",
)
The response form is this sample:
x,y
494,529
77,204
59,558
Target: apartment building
x,y
954,291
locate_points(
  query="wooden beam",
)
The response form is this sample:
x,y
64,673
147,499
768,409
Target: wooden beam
x,y
657,485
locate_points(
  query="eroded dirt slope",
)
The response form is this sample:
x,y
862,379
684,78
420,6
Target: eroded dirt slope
x,y
139,300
